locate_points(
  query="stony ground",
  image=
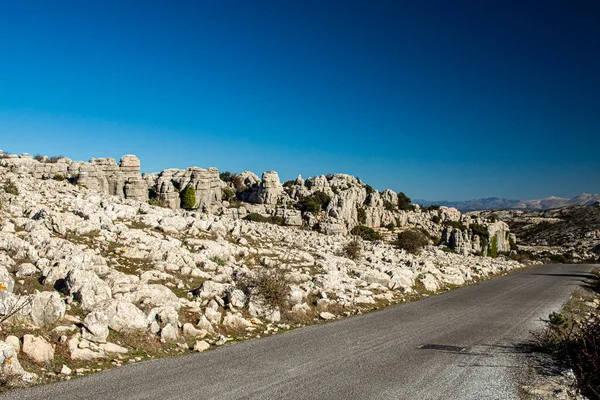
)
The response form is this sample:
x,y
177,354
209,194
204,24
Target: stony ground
x,y
573,232
91,281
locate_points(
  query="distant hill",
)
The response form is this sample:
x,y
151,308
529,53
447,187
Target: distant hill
x,y
499,203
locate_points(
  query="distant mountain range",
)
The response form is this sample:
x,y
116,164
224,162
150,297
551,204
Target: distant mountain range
x,y
498,203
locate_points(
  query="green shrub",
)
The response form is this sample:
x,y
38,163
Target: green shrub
x,y
369,189
480,230
153,201
11,188
226,176
404,202
58,177
493,250
290,183
219,261
362,215
412,241
390,226
256,217
315,203
227,194
483,234
365,233
436,219
188,198
455,224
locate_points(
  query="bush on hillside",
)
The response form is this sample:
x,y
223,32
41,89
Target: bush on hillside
x,y
314,203
577,344
353,249
493,249
188,198
482,232
455,224
365,233
227,194
272,219
404,202
11,188
225,176
362,215
412,241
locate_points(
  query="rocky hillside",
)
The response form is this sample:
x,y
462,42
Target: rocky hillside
x,y
572,231
498,203
93,276
331,204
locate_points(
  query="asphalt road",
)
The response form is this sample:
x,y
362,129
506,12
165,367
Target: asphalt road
x,y
389,354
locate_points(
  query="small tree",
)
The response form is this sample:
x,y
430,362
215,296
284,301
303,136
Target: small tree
x,y
188,198
225,176
404,202
493,250
412,241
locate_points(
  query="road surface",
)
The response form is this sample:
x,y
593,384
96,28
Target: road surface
x,y
463,344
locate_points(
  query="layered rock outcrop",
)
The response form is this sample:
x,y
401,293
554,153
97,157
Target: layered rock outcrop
x,y
351,202
205,182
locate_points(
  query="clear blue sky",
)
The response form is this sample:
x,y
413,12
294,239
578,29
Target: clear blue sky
x,y
439,99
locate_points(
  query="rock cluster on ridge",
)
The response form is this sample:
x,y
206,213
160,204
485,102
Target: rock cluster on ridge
x,y
349,197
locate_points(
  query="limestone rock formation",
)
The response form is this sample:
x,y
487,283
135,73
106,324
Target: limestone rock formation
x,y
205,182
269,191
112,264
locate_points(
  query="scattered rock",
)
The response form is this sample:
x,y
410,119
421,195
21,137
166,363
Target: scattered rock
x,y
326,315
38,349
201,345
65,370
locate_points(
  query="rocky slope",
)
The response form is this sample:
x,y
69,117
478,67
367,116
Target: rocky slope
x,y
92,275
571,231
